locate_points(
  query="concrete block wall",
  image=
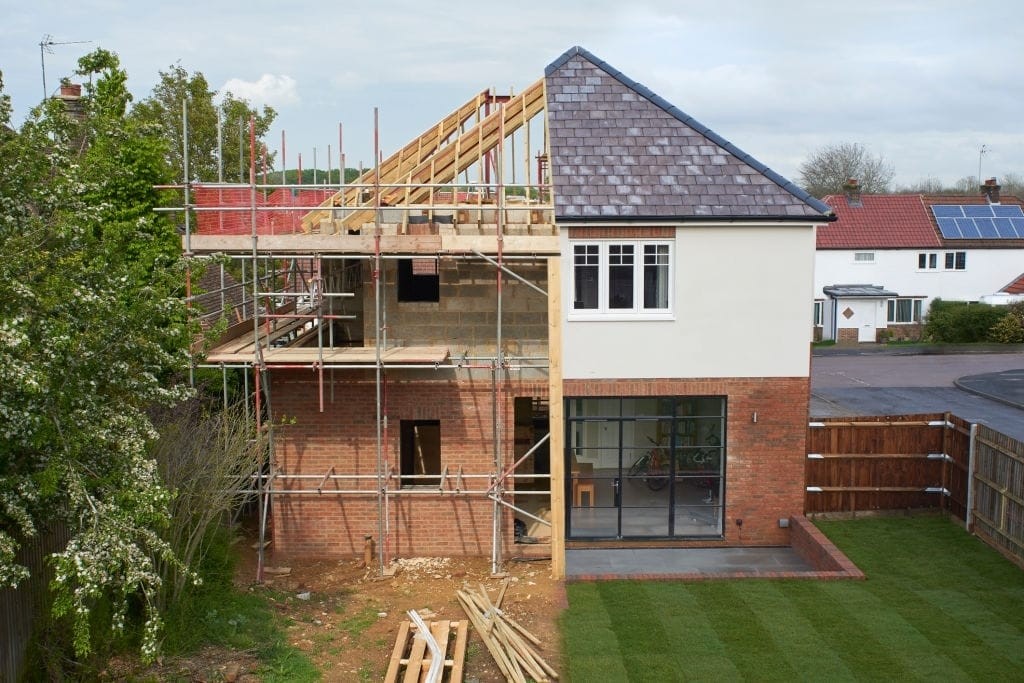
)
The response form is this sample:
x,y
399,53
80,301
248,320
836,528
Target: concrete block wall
x,y
344,437
764,472
465,317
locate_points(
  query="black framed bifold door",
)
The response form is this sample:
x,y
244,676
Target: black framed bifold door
x,y
645,467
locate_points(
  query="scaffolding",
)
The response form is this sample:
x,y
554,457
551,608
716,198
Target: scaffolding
x,y
291,257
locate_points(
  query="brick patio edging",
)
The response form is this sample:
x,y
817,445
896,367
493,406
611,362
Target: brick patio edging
x,y
815,549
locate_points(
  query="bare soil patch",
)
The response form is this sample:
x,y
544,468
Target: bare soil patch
x,y
345,617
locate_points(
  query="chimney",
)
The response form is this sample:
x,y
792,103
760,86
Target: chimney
x,y
852,191
990,190
71,96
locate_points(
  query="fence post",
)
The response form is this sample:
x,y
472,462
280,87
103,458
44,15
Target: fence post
x,y
969,517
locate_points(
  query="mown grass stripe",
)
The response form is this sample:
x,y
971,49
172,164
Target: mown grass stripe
x,y
590,644
794,636
990,631
746,641
826,607
700,653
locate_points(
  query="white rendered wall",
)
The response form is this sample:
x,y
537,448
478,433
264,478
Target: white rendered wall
x,y
987,271
741,310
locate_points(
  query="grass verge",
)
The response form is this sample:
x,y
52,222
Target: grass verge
x,y
219,614
937,604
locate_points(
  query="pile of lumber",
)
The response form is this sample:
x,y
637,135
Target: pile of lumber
x,y
512,646
411,658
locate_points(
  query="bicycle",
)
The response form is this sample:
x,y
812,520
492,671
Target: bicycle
x,y
652,467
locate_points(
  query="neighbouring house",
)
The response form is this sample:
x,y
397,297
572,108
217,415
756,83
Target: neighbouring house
x,y
465,354
884,260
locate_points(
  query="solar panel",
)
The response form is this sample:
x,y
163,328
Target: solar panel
x,y
941,211
1008,210
978,211
979,221
1005,228
967,228
947,226
987,228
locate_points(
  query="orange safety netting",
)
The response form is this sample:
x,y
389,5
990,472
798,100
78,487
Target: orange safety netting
x,y
228,211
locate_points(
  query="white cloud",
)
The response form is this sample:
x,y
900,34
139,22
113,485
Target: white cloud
x,y
270,89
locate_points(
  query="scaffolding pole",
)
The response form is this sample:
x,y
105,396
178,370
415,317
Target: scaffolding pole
x,y
381,493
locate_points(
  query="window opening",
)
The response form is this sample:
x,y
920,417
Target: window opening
x,y
418,280
420,446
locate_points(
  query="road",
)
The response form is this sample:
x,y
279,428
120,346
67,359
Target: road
x,y
888,384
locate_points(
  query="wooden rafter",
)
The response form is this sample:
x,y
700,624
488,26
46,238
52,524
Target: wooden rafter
x,y
444,164
399,163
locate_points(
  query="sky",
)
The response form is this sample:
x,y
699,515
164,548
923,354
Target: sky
x,y
923,83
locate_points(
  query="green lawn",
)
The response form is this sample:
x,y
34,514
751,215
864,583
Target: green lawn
x,y
937,605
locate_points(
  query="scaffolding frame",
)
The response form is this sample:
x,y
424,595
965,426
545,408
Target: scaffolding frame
x,y
415,178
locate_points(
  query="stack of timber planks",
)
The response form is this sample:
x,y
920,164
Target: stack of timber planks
x,y
513,648
411,659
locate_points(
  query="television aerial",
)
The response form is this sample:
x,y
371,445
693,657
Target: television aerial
x,y
46,47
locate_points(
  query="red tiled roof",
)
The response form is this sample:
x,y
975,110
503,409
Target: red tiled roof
x,y
883,221
894,221
1015,287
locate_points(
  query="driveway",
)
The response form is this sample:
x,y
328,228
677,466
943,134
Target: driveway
x,y
881,384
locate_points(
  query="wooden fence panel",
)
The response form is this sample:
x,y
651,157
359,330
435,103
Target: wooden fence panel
x,y
18,607
958,448
998,514
875,463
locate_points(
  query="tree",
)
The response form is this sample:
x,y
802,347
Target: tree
x,y
164,108
828,169
1012,185
89,340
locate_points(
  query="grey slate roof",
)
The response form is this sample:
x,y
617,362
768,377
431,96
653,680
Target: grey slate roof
x,y
858,292
621,152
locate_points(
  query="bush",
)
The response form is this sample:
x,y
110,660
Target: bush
x,y
957,322
1010,328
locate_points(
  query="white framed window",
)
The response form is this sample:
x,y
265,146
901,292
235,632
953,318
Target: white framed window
x,y
622,278
956,260
927,261
819,312
863,257
904,311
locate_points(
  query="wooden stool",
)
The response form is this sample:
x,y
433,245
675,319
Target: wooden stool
x,y
579,488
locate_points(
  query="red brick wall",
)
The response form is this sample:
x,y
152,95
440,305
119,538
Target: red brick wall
x,y
344,437
618,232
764,476
847,335
815,549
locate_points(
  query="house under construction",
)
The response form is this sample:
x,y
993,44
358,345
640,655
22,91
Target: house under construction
x,y
529,323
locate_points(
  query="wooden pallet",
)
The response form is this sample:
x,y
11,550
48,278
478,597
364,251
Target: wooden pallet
x,y
411,659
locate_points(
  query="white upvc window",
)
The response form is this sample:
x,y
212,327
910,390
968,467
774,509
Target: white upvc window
x,y
615,279
819,313
927,261
863,257
956,260
904,311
